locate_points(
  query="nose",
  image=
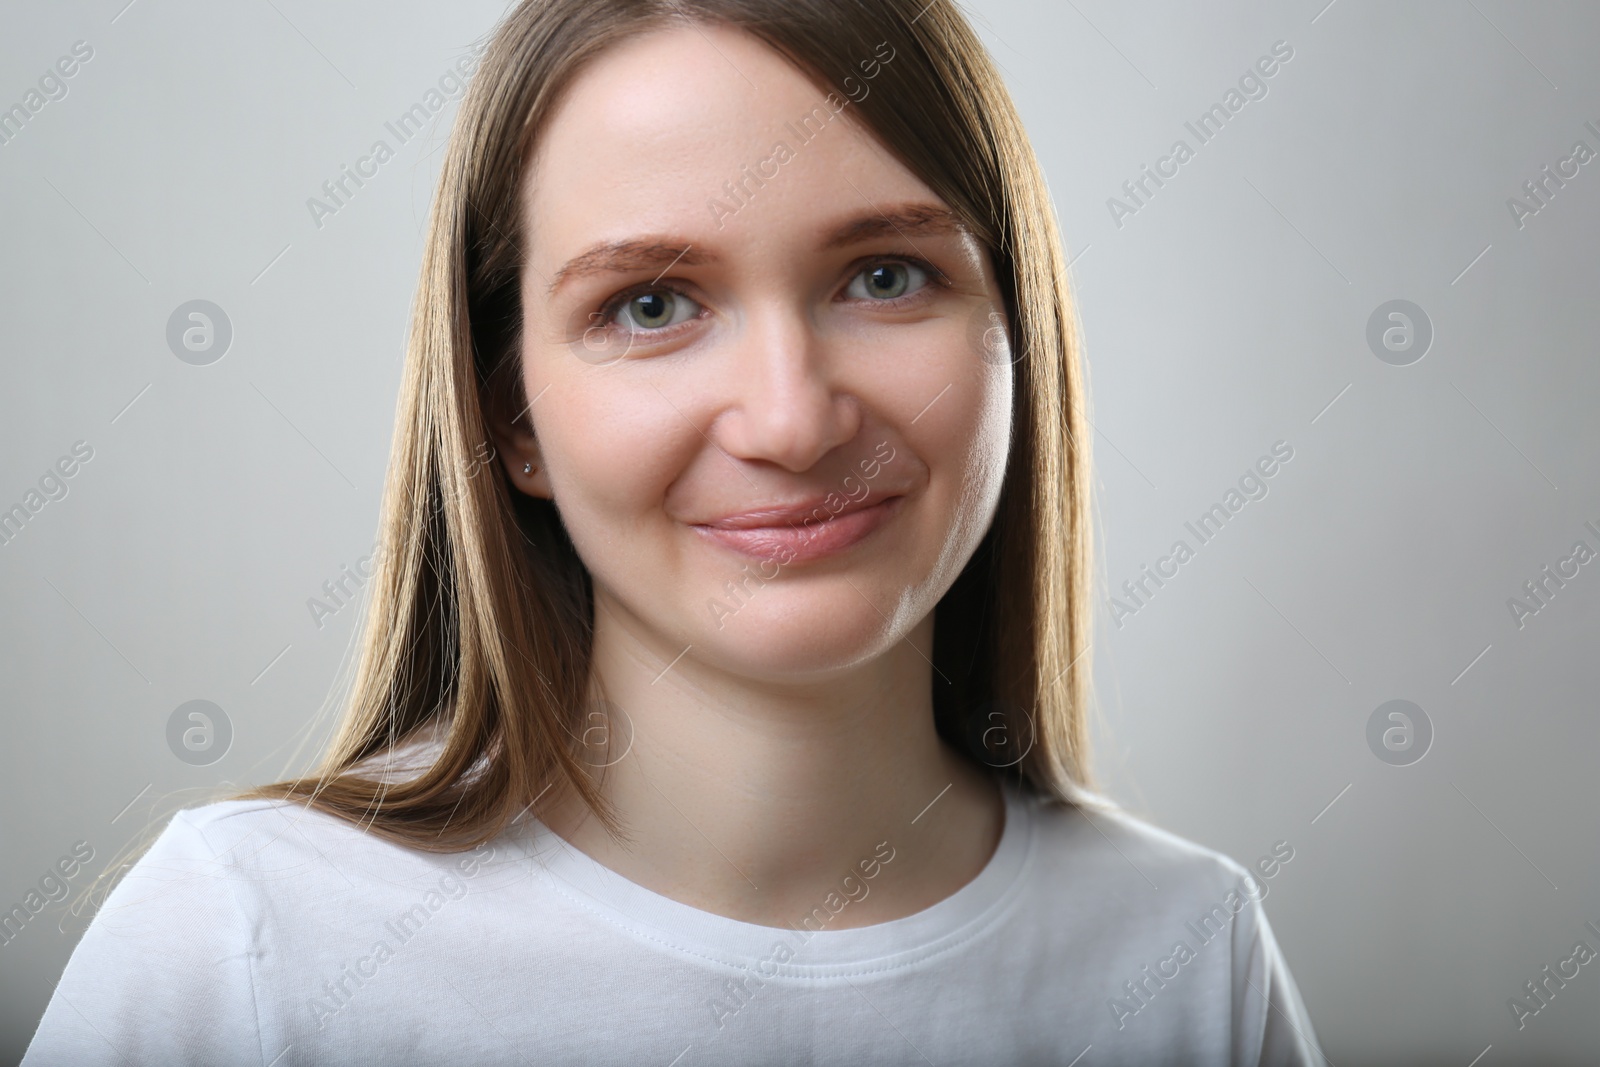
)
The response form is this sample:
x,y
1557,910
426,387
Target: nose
x,y
785,402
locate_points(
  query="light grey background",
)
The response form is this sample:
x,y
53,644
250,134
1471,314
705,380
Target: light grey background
x,y
1228,313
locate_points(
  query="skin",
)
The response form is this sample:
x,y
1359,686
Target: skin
x,y
762,752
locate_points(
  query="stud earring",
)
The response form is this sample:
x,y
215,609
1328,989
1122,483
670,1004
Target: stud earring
x,y
527,468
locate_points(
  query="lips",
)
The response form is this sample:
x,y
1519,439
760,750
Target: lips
x,y
802,531
815,509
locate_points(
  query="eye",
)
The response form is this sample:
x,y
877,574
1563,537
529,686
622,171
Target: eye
x,y
655,309
886,281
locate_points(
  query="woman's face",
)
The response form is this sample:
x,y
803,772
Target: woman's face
x,y
756,344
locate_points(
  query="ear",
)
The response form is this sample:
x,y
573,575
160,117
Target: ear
x,y
518,450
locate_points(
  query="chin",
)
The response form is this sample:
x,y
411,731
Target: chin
x,y
793,639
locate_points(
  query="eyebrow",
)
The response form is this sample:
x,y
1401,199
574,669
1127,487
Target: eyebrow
x,y
910,220
615,257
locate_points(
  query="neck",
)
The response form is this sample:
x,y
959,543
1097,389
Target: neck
x,y
756,801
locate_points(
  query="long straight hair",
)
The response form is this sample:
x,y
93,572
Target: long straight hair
x,y
479,628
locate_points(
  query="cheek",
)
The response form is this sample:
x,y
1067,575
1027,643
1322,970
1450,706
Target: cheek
x,y
965,435
995,420
611,448
964,439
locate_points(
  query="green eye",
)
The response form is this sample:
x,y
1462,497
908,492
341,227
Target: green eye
x,y
886,281
656,309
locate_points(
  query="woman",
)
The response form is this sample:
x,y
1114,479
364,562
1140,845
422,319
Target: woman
x,y
722,698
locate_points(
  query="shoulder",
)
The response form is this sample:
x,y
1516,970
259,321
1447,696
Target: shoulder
x,y
174,940
231,858
1113,876
264,827
249,834
1176,930
1100,841
192,868
229,824
283,836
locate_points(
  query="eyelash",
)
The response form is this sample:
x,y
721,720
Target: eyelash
x,y
607,312
935,276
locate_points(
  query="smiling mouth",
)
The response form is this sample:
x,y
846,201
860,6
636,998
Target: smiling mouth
x,y
790,535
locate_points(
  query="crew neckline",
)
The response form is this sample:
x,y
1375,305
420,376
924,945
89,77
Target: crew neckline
x,y
812,954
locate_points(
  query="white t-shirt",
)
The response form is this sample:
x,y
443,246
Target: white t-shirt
x,y
263,933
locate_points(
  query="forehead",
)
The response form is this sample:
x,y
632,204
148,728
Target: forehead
x,y
704,131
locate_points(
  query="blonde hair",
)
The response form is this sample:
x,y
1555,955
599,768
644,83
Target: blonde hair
x,y
479,625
